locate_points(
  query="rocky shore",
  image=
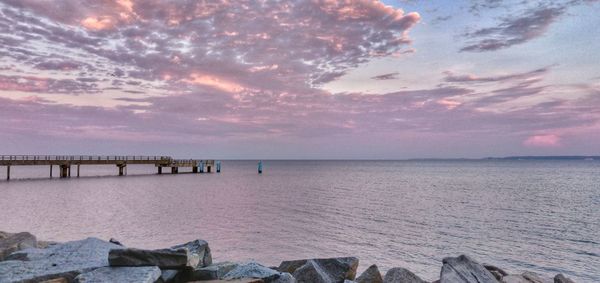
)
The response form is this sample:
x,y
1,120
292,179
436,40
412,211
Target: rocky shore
x,y
25,259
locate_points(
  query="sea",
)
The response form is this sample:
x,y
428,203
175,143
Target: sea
x,y
520,215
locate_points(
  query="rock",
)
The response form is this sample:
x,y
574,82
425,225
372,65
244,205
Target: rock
x,y
212,272
464,269
401,275
165,259
311,272
244,280
61,260
114,241
371,275
56,280
536,278
10,243
559,278
170,275
333,269
526,277
145,274
45,244
496,271
514,278
199,252
255,270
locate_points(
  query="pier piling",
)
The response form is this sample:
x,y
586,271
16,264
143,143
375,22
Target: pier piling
x,y
8,173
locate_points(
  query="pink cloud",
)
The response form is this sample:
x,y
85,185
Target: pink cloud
x,y
549,140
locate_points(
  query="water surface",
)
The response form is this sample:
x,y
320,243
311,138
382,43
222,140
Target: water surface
x,y
541,216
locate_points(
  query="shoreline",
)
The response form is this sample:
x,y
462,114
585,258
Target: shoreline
x,y
25,259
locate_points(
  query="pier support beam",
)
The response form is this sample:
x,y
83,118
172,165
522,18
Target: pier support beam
x,y
8,173
64,171
195,169
174,170
207,168
159,169
51,171
78,165
122,169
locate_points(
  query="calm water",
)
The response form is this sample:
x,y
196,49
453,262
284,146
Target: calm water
x,y
542,216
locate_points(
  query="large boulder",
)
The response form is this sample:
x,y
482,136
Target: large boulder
x,y
258,271
526,277
170,275
496,271
212,272
401,275
464,269
10,243
199,251
144,274
165,258
61,260
371,275
311,272
560,278
322,270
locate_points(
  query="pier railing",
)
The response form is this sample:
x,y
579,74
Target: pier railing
x,y
83,158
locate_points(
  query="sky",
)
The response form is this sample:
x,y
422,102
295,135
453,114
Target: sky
x,y
319,79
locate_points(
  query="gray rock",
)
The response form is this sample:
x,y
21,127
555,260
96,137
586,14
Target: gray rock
x,y
145,274
464,269
333,269
496,271
56,280
212,272
61,260
258,271
115,241
311,272
514,278
165,259
401,275
170,275
371,275
10,243
199,252
536,278
45,244
526,277
560,278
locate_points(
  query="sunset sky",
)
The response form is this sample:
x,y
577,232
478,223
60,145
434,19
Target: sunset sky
x,y
300,79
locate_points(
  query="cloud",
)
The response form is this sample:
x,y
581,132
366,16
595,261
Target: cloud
x,y
192,72
548,140
514,29
470,78
388,76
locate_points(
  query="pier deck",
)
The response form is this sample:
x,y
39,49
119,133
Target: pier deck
x,y
64,162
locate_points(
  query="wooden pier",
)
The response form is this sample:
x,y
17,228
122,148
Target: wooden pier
x,y
65,162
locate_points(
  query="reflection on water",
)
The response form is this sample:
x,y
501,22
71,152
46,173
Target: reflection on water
x,y
541,216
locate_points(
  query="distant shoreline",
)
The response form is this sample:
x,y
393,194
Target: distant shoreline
x,y
557,157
